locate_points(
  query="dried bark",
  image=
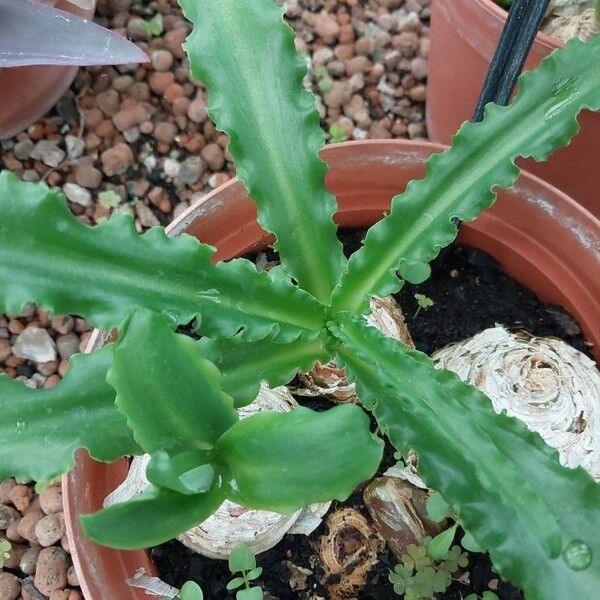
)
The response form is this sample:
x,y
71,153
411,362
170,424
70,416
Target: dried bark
x,y
567,19
329,380
348,552
551,387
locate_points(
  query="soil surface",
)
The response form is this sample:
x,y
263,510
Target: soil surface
x,y
470,292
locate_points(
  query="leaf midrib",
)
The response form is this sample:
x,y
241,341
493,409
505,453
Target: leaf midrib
x,y
96,271
310,246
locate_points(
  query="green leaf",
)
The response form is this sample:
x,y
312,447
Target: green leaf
x,y
439,546
337,132
416,557
154,517
423,583
40,429
243,365
5,548
235,583
168,392
154,27
254,574
509,488
454,559
284,461
441,581
184,473
244,53
241,558
423,301
109,199
50,257
462,181
437,508
469,543
254,593
191,591
399,577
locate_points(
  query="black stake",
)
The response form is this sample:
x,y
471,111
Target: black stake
x,y
522,24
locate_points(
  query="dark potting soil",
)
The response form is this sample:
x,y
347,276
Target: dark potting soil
x,y
470,292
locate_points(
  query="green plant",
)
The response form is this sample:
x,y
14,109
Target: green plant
x,y
427,568
159,392
484,596
337,133
324,81
423,302
5,548
420,585
153,26
109,199
243,563
191,591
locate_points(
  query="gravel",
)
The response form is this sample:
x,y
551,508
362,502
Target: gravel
x,y
38,563
143,133
35,344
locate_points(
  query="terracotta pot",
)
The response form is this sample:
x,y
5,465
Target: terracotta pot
x,y
464,34
540,235
28,93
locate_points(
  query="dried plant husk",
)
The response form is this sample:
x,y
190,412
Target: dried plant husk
x,y
583,26
233,524
550,386
329,381
348,552
152,586
567,19
399,513
407,470
568,8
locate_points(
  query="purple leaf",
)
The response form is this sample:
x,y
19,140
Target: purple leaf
x,y
36,34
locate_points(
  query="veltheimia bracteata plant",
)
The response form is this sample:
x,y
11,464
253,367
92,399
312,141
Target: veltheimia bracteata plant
x,y
158,392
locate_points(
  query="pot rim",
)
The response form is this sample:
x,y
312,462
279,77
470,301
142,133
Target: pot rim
x,y
387,153
179,224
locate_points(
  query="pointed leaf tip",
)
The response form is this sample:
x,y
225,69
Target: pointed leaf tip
x,y
36,34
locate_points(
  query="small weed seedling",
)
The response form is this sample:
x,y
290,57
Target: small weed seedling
x,y
337,133
324,81
154,26
439,510
5,548
109,199
427,568
242,563
484,596
424,302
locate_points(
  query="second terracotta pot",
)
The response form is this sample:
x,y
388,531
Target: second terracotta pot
x,y
541,236
464,35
